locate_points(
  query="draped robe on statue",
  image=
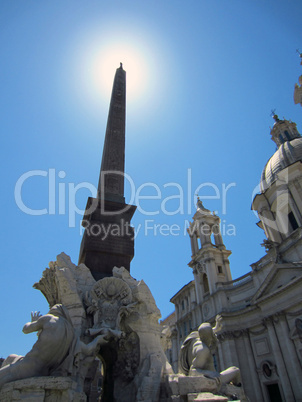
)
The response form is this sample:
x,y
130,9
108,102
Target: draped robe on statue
x,y
55,338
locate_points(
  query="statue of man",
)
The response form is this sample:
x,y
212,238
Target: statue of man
x,y
196,356
56,341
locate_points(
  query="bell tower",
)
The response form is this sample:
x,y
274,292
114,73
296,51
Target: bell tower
x,y
210,259
108,239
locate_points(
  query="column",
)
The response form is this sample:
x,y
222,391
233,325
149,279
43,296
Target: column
x,y
284,379
295,209
211,270
254,379
194,244
229,350
218,240
197,286
227,267
202,237
204,230
295,191
270,225
217,234
290,356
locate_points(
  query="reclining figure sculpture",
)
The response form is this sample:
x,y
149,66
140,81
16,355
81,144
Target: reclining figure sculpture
x,y
55,351
196,356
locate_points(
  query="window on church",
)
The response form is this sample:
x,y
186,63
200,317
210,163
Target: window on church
x,y
206,288
281,139
185,329
183,305
219,267
287,135
213,238
199,242
292,221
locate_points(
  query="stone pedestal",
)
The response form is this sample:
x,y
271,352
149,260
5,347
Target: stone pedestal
x,y
206,397
201,389
42,389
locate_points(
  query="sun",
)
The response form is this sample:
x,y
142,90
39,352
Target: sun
x,y
133,63
96,58
103,62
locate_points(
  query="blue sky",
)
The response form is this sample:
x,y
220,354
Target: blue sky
x,y
207,75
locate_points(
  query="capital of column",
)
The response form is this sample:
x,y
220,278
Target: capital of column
x,y
274,318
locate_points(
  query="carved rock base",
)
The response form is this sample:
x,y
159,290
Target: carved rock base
x,y
42,389
206,397
233,392
201,389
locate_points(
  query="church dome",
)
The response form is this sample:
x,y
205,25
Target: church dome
x,y
288,153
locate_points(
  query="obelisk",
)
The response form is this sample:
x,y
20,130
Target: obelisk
x,y
108,239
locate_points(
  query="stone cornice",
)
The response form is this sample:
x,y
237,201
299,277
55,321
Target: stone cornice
x,y
259,332
273,318
229,335
278,291
294,314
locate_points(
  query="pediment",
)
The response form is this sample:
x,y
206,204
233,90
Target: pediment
x,y
280,277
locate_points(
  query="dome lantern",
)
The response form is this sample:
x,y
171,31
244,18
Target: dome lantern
x,y
289,141
283,131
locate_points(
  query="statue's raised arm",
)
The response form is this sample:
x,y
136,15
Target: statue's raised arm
x,y
218,326
52,347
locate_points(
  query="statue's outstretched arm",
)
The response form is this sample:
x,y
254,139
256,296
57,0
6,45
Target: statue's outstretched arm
x,y
33,326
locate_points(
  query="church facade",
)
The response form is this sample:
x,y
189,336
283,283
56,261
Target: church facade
x,y
262,310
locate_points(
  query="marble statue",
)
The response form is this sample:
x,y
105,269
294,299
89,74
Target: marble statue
x,y
196,356
116,320
57,351
122,312
54,341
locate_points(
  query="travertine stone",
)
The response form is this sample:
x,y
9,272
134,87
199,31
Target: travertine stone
x,y
206,397
184,388
115,317
232,392
142,318
196,384
42,389
196,355
172,383
55,339
178,398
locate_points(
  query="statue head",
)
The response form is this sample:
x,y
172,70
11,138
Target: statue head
x,y
207,335
111,290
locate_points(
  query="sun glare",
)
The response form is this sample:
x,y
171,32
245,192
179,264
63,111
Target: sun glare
x,y
102,62
96,59
109,60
